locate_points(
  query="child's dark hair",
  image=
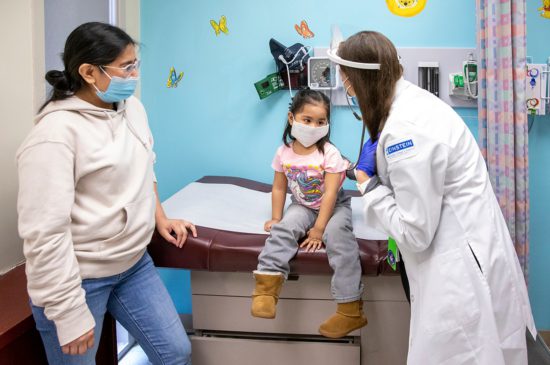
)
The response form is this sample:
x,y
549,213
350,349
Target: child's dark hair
x,y
303,97
94,43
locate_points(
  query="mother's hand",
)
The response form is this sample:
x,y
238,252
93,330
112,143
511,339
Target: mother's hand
x,y
80,345
179,227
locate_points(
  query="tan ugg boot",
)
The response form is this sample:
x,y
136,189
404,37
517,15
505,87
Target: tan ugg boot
x,y
348,317
266,294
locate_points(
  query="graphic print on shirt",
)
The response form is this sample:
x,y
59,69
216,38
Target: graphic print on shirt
x,y
306,183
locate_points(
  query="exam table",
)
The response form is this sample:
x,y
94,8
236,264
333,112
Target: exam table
x,y
229,214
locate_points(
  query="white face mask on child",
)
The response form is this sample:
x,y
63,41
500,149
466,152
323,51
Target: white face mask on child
x,y
307,135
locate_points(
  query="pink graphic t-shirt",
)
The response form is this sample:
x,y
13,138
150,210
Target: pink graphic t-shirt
x,y
306,173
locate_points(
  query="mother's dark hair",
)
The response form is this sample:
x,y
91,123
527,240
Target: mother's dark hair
x,y
374,88
94,43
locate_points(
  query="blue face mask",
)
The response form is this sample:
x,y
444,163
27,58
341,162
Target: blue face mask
x,y
119,89
352,100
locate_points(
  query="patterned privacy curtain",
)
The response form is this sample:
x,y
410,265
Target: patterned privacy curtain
x,y
502,112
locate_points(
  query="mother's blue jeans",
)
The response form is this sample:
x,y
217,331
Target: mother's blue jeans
x,y
138,299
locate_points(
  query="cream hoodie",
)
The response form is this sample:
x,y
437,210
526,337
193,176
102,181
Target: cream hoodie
x,y
86,203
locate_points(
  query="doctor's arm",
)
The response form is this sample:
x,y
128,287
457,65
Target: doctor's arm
x,y
166,226
278,198
411,212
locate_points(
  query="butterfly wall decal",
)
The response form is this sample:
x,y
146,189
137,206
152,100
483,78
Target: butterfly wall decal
x,y
304,30
221,26
173,78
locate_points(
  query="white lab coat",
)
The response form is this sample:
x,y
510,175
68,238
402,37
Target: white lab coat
x,y
437,202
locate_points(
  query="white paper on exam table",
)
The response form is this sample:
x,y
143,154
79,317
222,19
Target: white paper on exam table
x,y
234,208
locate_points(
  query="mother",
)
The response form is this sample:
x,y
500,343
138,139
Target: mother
x,y
88,206
425,183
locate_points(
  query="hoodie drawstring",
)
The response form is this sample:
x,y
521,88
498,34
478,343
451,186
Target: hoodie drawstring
x,y
130,127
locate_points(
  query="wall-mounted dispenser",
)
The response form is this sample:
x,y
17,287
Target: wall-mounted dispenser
x,y
463,84
428,76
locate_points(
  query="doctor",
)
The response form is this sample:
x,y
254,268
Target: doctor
x,y
425,183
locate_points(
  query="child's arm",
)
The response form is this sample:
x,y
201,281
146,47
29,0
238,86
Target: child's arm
x,y
278,198
314,238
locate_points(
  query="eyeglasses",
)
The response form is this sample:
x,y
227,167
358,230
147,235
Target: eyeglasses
x,y
128,69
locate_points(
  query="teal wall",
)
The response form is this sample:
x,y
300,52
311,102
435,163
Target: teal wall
x,y
538,47
213,123
214,118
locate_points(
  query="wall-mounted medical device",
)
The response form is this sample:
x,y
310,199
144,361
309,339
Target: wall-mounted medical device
x,y
536,89
428,76
449,60
269,85
319,74
463,84
290,69
291,63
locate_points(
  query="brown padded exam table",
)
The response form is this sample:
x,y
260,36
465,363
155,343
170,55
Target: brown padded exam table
x,y
229,213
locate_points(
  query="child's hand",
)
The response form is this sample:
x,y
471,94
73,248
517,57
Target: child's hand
x,y
269,223
314,240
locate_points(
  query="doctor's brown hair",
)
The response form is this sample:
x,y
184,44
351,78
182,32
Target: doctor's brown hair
x,y
374,88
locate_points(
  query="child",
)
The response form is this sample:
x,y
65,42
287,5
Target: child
x,y
314,171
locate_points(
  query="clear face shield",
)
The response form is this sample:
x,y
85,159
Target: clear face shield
x,y
343,86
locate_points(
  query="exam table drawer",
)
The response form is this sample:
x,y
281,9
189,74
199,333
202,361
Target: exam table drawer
x,y
231,351
296,316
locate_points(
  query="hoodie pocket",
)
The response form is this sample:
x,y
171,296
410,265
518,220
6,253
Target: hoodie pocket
x,y
139,219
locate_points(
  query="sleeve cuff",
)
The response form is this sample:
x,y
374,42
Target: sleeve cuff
x,y
369,185
74,324
363,186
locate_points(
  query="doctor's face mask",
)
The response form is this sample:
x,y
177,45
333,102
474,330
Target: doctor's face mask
x,y
352,99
